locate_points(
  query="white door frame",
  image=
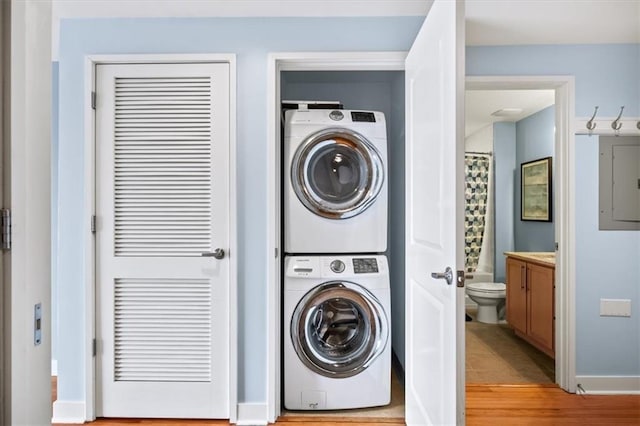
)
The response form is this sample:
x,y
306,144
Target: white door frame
x,y
5,65
564,88
89,208
26,380
564,202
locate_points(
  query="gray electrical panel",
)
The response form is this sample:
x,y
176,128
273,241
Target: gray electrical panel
x,y
619,177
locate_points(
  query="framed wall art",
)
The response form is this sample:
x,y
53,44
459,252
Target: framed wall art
x,y
536,190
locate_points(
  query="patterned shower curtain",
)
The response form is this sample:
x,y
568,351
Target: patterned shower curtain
x,y
477,169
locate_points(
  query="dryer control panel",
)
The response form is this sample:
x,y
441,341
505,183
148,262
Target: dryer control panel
x,y
367,117
365,265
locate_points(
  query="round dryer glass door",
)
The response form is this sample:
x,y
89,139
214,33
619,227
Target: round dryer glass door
x,y
337,173
338,329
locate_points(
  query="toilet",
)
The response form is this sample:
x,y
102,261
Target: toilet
x,y
490,298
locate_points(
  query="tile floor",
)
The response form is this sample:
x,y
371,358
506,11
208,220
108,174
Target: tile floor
x,y
496,355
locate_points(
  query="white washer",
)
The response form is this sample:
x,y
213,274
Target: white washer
x,y
336,332
335,181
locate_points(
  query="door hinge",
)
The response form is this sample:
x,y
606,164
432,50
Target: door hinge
x,y
5,229
460,277
94,347
93,100
93,224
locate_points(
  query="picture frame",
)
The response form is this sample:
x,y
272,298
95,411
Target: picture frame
x,y
536,190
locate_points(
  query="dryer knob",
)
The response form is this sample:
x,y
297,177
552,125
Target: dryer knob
x,y
337,266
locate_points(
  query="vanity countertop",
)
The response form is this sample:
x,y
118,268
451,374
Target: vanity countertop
x,y
543,258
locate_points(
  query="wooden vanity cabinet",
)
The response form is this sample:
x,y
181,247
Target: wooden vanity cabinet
x,y
517,294
530,303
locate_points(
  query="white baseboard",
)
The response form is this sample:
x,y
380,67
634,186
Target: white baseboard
x,y
68,412
609,385
252,414
54,367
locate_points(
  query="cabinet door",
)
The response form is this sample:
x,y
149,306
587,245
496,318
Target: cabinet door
x,y
517,295
541,299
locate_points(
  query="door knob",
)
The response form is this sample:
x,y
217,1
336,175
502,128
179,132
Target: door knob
x,y
446,275
218,254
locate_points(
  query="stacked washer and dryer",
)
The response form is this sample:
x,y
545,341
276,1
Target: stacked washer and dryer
x,y
337,343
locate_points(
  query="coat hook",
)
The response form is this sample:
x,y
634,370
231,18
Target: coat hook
x,y
616,125
590,124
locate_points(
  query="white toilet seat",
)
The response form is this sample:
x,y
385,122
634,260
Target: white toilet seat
x,y
487,286
490,290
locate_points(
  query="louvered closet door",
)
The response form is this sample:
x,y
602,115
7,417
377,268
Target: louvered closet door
x,y
162,178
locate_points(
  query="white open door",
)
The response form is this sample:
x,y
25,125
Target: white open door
x,y
434,218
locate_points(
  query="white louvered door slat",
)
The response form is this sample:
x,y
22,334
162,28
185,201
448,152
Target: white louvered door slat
x,y
162,151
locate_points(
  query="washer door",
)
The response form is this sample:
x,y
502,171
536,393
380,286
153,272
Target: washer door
x,y
337,173
338,329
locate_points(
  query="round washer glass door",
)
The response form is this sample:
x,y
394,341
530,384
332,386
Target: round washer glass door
x,y
338,329
337,173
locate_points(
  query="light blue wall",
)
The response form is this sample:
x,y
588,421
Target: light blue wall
x,y
397,215
504,154
606,261
251,40
608,267
534,140
356,90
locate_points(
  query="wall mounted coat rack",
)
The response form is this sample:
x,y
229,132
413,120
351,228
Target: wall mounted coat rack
x,y
617,126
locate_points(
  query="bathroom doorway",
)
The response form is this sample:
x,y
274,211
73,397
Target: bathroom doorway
x,y
504,128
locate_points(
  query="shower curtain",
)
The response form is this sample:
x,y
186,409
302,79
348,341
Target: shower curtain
x,y
477,171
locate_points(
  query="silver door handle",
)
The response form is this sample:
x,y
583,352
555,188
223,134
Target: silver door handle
x,y
446,275
218,254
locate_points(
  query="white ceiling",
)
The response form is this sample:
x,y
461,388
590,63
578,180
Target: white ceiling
x,y
480,104
488,22
509,22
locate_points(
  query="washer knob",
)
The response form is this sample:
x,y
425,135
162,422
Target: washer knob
x,y
336,115
337,266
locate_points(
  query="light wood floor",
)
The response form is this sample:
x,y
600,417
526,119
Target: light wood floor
x,y
538,405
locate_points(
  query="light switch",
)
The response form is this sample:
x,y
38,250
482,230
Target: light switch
x,y
615,307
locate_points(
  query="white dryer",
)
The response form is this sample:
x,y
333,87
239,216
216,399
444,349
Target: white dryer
x,y
335,181
337,342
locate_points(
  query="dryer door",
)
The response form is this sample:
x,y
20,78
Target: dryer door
x,y
338,329
337,173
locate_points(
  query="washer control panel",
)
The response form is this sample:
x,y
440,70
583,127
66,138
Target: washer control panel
x,y
365,265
